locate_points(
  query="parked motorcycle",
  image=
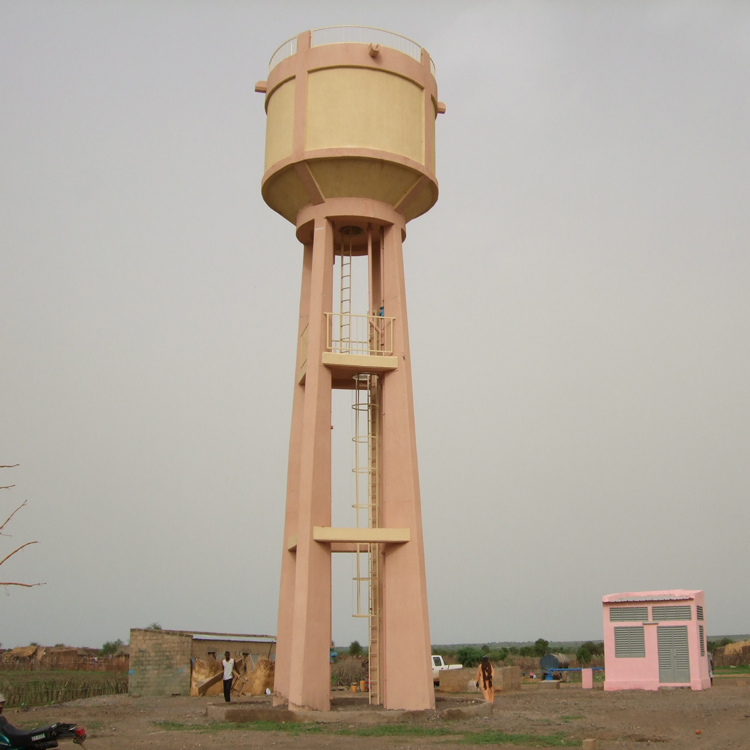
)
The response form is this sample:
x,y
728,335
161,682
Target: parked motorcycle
x,y
43,738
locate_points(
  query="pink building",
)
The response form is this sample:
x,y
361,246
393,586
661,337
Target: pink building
x,y
655,639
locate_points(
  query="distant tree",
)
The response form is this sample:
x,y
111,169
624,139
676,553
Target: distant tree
x,y
541,647
469,656
20,547
355,649
111,647
154,626
583,656
594,648
485,649
526,651
513,650
59,645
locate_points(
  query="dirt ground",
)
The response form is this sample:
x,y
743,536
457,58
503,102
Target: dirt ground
x,y
623,720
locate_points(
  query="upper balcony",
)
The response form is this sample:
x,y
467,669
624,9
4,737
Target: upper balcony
x,y
355,344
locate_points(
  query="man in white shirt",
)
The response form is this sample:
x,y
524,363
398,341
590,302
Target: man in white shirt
x,y
229,669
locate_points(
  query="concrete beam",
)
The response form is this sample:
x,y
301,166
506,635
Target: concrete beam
x,y
328,534
360,362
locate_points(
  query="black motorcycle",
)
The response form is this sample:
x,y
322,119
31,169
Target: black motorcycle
x,y
39,739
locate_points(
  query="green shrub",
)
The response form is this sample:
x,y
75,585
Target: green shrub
x,y
583,656
498,656
469,656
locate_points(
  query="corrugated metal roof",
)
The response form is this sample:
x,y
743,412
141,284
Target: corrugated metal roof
x,y
663,598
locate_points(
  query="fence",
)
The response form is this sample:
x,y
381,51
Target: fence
x,y
58,687
52,662
732,655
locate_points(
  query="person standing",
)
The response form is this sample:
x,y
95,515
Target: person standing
x,y
229,671
485,675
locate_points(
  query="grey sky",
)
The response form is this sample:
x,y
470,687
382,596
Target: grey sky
x,y
578,306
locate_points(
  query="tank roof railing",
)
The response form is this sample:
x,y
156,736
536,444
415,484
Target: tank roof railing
x,y
287,49
352,34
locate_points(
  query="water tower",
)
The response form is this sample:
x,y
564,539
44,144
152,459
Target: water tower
x,y
349,159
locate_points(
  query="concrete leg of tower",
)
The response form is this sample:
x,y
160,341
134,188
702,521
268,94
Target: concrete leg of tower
x,y
305,596
289,557
406,662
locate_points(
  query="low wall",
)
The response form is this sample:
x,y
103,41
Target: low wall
x,y
507,679
456,680
461,680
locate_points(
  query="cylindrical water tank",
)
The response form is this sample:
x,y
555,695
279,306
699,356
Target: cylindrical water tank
x,y
350,113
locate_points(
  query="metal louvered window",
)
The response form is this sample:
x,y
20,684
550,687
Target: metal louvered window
x,y
674,654
630,643
703,640
681,612
628,614
699,610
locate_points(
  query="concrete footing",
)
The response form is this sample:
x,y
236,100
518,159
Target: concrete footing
x,y
250,712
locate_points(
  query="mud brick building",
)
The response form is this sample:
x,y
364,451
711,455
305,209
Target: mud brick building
x,y
161,660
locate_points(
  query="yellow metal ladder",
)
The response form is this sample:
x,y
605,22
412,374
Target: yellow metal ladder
x,y
367,510
345,298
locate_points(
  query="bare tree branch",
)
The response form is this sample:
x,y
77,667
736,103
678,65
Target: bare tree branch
x,y
26,585
11,516
17,549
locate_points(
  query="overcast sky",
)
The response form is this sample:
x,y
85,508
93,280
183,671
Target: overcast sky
x,y
579,309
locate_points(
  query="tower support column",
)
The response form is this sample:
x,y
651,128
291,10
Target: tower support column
x,y
406,648
303,677
289,557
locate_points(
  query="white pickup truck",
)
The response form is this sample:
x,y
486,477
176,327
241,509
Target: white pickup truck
x,y
438,665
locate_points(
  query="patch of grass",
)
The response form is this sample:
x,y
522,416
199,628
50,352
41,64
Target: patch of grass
x,y
488,737
396,730
741,669
258,726
493,737
571,718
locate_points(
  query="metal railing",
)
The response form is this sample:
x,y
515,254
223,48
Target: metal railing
x,y
359,334
287,49
366,35
352,34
